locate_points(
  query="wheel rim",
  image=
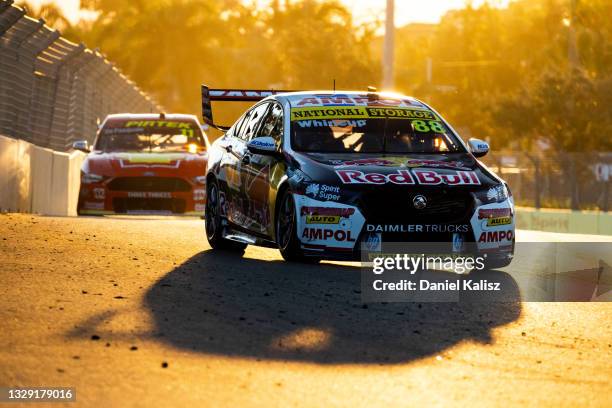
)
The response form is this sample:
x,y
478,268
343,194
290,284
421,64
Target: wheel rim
x,y
211,211
286,217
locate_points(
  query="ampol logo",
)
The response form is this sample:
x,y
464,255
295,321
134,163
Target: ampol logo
x,y
319,234
496,236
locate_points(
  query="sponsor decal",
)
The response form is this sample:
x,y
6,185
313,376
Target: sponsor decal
x,y
417,228
421,118
327,225
237,93
323,191
400,162
322,219
493,225
436,164
99,193
458,242
341,212
372,241
367,162
200,207
331,123
498,193
149,194
359,177
496,236
461,177
354,100
262,143
317,234
494,222
423,177
352,112
121,131
158,124
199,194
400,113
484,213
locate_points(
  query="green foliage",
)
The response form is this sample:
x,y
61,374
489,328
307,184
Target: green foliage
x,y
169,47
506,75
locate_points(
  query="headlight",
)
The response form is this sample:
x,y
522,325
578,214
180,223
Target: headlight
x,y
495,194
88,178
199,180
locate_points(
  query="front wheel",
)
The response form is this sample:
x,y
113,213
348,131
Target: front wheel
x,y
212,221
286,232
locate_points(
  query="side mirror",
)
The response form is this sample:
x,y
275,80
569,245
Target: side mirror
x,y
478,147
81,145
265,145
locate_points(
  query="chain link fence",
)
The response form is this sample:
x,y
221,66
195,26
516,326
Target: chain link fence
x,y
53,91
578,181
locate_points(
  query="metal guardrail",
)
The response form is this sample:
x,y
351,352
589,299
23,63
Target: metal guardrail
x,y
53,91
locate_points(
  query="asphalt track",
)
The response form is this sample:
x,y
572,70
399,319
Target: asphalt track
x,y
140,312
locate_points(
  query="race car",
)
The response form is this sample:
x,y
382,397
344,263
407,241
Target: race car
x,y
323,174
145,164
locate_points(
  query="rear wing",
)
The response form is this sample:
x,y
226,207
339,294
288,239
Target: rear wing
x,y
230,95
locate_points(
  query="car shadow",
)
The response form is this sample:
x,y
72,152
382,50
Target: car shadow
x,y
216,303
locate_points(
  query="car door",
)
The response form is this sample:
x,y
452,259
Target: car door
x,y
247,211
228,171
257,170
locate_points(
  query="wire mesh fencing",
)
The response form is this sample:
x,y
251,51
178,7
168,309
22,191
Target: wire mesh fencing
x,y
53,91
579,181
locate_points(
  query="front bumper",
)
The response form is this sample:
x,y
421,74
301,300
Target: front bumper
x,y
99,199
333,230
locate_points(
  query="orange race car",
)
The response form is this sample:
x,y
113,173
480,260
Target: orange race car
x,y
145,164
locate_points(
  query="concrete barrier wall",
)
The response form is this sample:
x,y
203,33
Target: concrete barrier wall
x,y
15,174
38,180
41,165
565,221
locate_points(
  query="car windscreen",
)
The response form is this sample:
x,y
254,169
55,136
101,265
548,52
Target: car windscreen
x,y
151,136
362,129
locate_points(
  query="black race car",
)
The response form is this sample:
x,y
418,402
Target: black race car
x,y
319,174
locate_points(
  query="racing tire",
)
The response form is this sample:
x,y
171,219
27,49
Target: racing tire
x,y
212,222
286,232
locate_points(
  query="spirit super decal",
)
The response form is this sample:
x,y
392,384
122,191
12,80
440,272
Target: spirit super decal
x,y
410,176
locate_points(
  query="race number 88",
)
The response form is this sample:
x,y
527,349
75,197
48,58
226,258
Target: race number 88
x,y
427,126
